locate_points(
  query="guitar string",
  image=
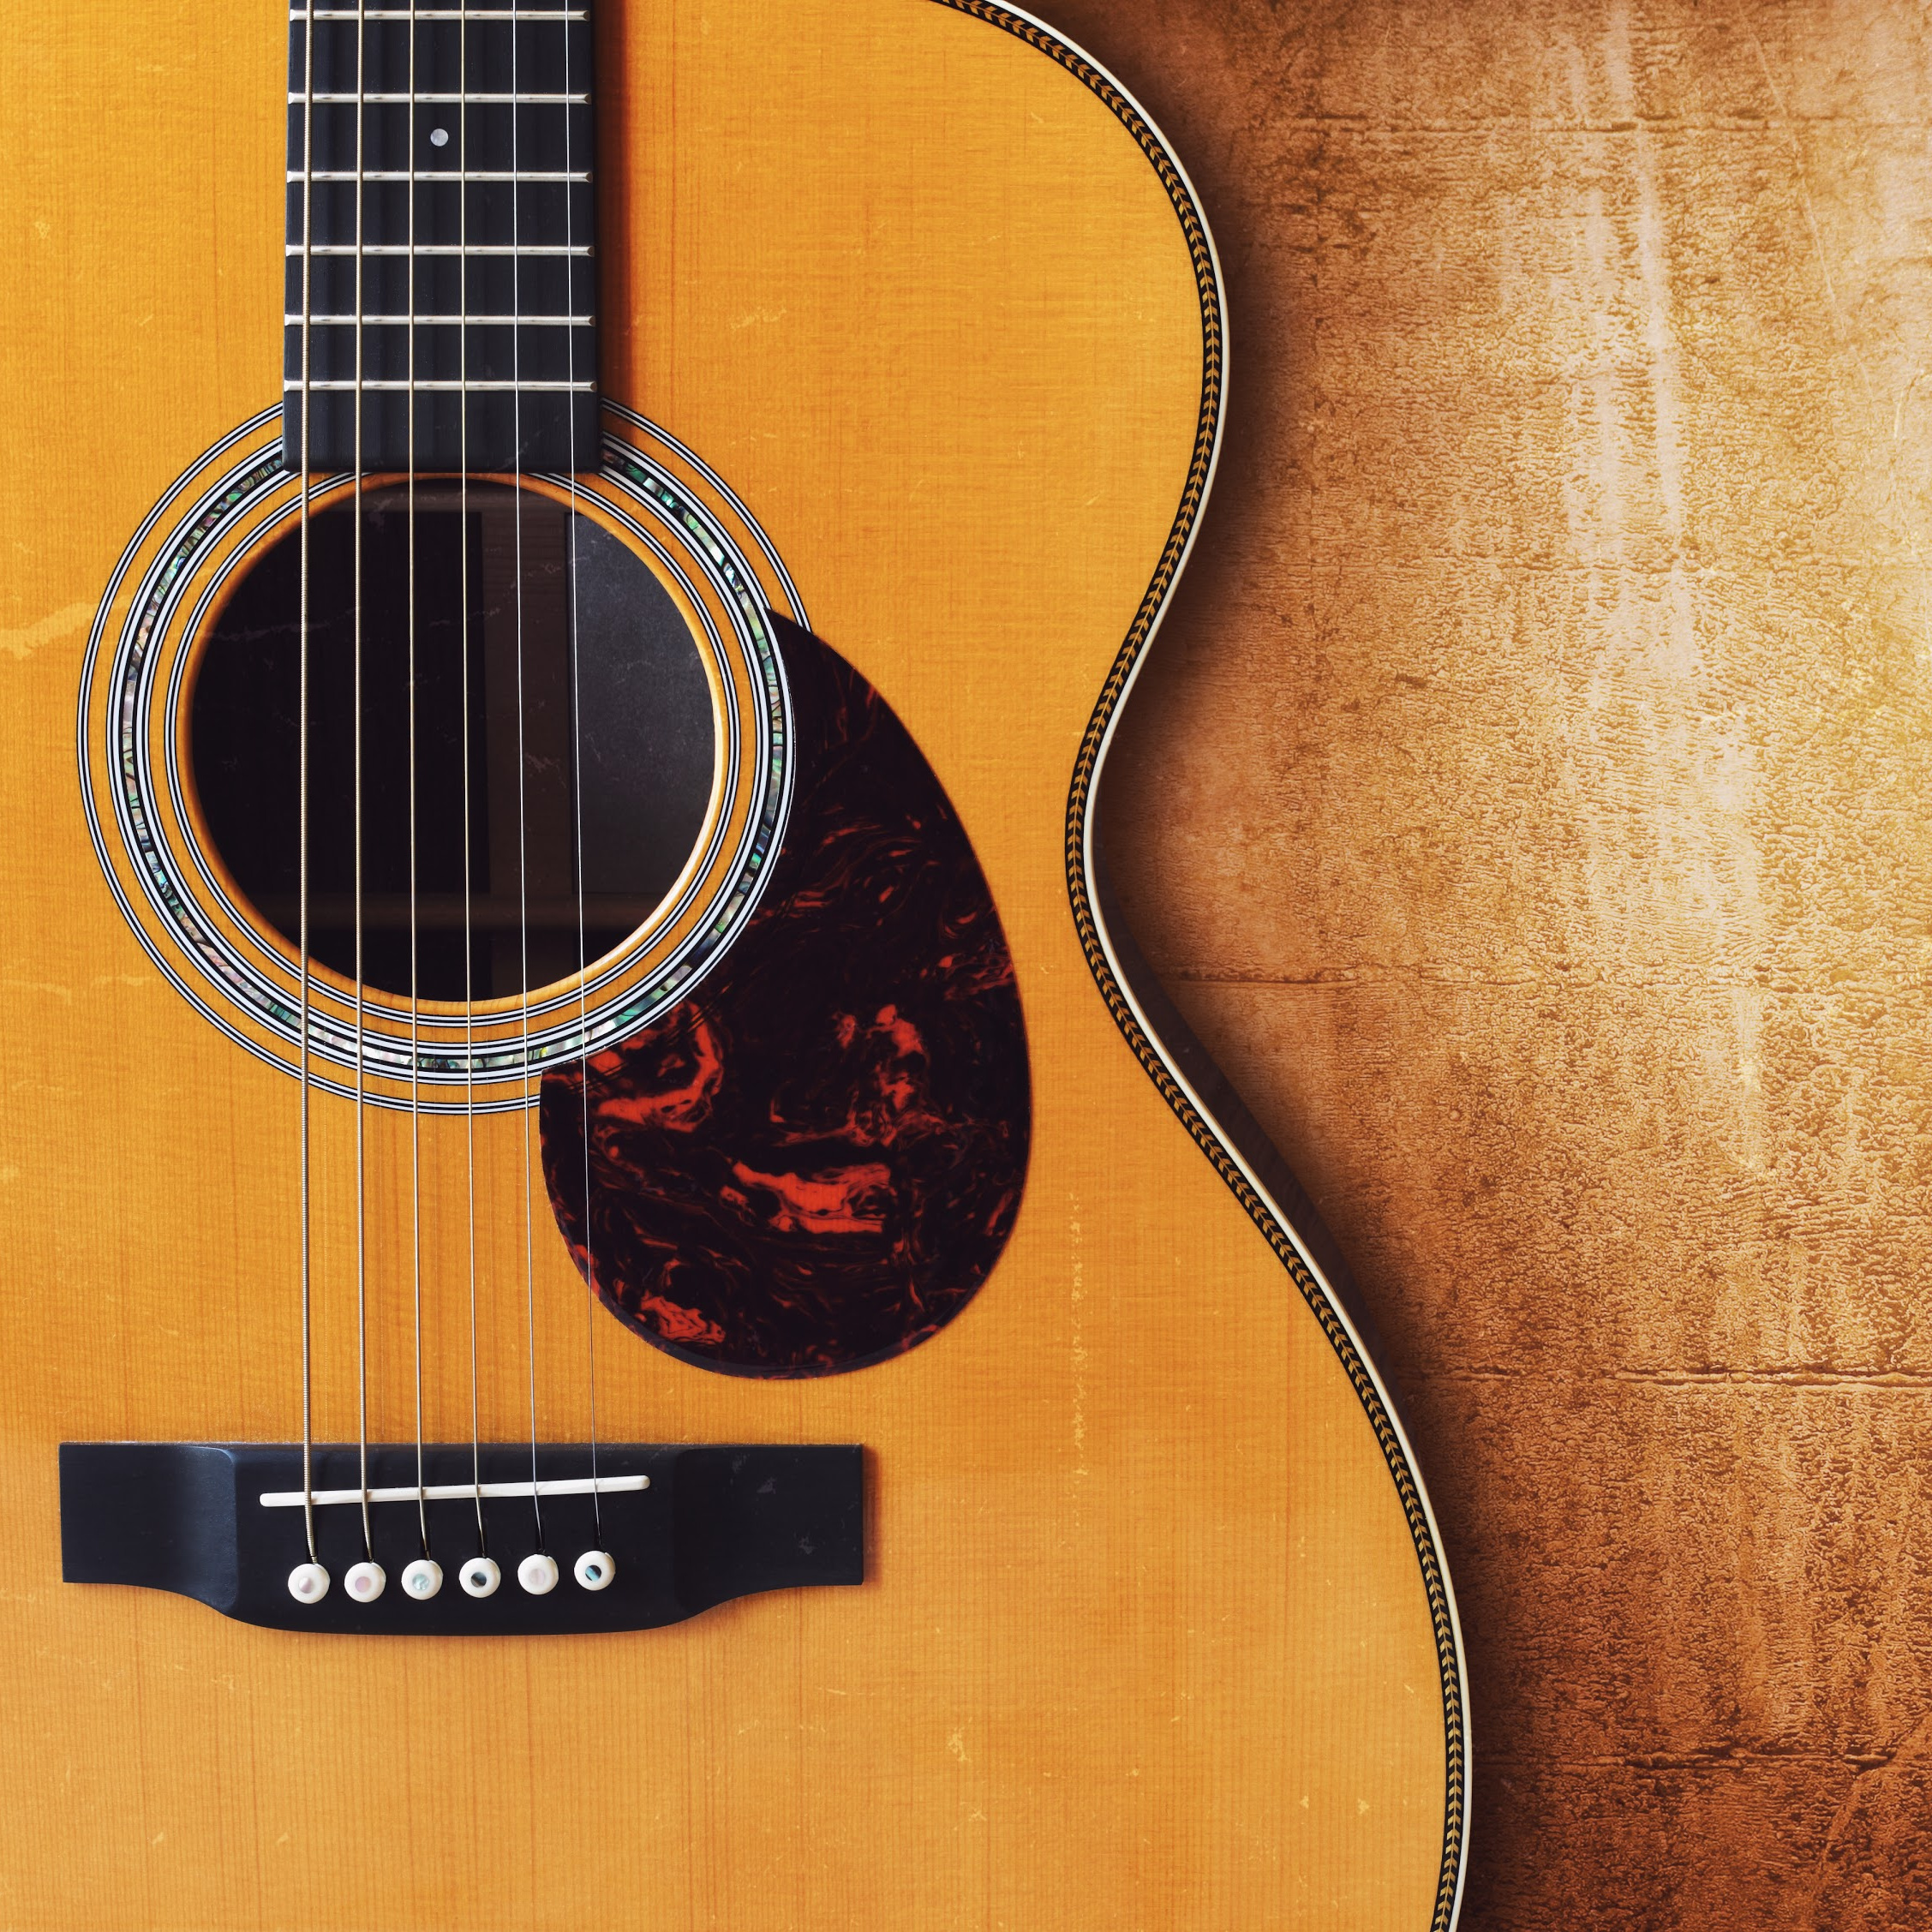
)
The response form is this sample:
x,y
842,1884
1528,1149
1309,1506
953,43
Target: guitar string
x,y
522,824
577,773
469,929
361,1149
416,1069
301,775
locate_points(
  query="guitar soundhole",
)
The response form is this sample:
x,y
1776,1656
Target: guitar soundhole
x,y
531,624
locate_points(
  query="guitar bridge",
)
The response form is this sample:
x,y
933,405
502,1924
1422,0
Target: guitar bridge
x,y
671,1530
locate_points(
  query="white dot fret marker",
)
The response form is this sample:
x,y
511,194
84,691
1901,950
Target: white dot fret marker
x,y
595,1571
423,1578
365,1582
439,137
537,1573
480,1576
308,1582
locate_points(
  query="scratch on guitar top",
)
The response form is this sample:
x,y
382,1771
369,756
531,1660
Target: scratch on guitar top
x,y
53,988
64,623
1078,1351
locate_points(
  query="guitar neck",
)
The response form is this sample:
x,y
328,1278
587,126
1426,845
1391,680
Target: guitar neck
x,y
440,310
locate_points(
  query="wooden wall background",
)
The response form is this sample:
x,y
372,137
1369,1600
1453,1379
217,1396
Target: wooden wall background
x,y
1529,807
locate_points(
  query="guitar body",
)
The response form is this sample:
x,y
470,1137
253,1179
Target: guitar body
x,y
1154,1631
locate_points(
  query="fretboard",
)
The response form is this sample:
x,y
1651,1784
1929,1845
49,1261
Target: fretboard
x,y
441,264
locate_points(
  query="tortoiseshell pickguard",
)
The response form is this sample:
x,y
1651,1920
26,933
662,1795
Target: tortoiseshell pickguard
x,y
814,1162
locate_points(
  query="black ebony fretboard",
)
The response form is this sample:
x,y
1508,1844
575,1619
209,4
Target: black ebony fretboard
x,y
490,250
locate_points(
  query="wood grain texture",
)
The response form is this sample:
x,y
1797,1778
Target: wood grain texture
x,y
1530,809
1146,1642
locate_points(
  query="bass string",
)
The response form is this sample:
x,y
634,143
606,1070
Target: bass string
x,y
522,822
577,834
355,707
415,1070
305,1265
469,926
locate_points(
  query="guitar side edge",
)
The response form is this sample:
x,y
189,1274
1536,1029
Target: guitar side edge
x,y
1201,1095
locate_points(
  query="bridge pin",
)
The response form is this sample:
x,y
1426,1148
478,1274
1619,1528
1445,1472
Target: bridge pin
x,y
308,1582
423,1578
537,1573
596,1569
365,1581
480,1576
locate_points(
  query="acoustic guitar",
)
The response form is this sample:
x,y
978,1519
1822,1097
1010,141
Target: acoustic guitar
x,y
624,1305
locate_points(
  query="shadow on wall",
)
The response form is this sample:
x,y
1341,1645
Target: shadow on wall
x,y
1875,1875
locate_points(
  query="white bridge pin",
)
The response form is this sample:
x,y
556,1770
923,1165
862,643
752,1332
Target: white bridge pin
x,y
537,1573
308,1582
480,1576
423,1578
596,1569
365,1581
